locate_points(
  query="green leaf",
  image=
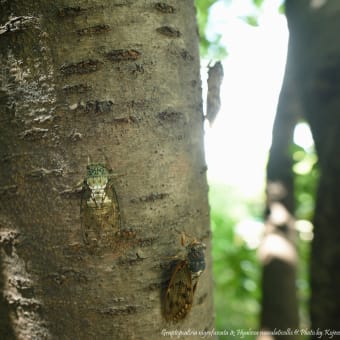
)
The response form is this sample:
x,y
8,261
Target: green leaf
x,y
211,49
282,8
251,20
258,3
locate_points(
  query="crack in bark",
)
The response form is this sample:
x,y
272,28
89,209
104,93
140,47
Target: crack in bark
x,y
129,309
97,29
164,8
123,55
78,88
93,106
71,11
147,242
169,31
150,198
126,120
82,67
170,116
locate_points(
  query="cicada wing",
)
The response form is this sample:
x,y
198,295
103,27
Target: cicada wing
x,y
84,213
100,221
116,215
178,297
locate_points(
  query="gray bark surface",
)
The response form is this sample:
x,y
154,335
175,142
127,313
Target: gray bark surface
x,y
116,81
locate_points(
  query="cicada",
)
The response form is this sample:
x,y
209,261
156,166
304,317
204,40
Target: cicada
x,y
179,295
215,78
100,215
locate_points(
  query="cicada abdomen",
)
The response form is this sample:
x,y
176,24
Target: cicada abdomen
x,y
179,295
100,216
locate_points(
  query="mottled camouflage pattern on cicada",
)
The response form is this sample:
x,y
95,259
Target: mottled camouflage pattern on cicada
x,y
100,216
179,295
180,292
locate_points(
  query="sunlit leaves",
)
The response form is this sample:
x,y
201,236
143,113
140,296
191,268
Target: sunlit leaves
x,y
236,269
306,175
258,3
208,48
282,8
251,20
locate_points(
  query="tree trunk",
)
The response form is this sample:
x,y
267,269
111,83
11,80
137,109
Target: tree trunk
x,y
314,27
278,250
114,85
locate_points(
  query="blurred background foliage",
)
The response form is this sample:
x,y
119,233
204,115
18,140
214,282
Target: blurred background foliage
x,y
237,226
237,221
235,266
211,46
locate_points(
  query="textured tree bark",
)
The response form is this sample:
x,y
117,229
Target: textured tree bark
x,y
116,81
278,250
314,27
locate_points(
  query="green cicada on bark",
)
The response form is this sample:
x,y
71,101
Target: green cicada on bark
x,y
100,215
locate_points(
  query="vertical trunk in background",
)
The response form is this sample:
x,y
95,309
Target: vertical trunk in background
x,y
314,32
113,80
278,250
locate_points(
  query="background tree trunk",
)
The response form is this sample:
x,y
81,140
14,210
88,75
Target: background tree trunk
x,y
107,80
314,27
278,252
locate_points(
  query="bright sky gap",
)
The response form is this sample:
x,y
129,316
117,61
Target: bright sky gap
x,y
237,145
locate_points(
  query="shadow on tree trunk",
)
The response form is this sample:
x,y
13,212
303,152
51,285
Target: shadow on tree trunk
x,y
6,330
